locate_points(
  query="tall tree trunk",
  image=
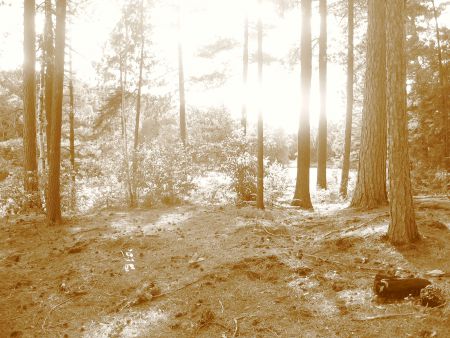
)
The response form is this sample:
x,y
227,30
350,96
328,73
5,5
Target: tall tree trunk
x,y
73,198
402,227
54,198
181,83
138,104
322,135
443,85
260,175
31,184
245,75
42,164
301,196
349,113
370,191
123,119
49,56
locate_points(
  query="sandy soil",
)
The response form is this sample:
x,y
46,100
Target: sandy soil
x,y
218,271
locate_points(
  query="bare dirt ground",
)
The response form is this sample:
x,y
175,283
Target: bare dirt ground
x,y
195,271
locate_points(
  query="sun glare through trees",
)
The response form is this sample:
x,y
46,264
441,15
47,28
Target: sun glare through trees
x,y
210,168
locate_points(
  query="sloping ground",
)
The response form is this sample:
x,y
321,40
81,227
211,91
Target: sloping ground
x,y
217,272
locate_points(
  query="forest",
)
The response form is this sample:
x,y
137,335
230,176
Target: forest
x,y
239,168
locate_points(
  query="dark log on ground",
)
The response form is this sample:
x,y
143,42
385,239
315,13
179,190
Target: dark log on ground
x,y
398,288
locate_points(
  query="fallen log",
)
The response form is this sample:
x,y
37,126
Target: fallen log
x,y
386,286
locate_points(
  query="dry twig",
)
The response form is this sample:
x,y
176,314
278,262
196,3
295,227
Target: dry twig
x,y
236,327
387,316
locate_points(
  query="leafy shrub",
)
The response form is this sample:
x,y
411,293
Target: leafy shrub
x,y
276,183
241,166
166,172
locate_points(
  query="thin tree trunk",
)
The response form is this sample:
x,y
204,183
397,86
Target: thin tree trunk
x,y
245,75
301,196
73,199
443,85
49,55
42,164
138,105
370,191
181,83
402,227
31,183
260,175
54,198
123,83
322,134
349,113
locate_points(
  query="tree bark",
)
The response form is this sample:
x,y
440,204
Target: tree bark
x,y
73,199
349,112
301,196
322,132
42,163
123,120
260,176
402,227
245,75
370,191
54,198
31,184
138,105
49,55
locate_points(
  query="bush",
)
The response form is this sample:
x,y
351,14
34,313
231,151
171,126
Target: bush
x,y
241,166
276,183
165,172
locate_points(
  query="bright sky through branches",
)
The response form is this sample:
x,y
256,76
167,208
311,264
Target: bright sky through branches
x,y
203,24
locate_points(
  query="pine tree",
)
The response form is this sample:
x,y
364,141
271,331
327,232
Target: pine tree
x,y
349,112
138,105
49,59
54,197
370,191
301,196
402,227
73,199
322,133
260,176
29,105
245,74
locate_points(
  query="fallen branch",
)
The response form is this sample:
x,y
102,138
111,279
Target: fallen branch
x,y
388,316
355,227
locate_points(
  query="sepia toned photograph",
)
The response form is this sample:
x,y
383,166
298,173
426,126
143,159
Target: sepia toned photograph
x,y
224,168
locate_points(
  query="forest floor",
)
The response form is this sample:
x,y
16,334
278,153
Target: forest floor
x,y
218,271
